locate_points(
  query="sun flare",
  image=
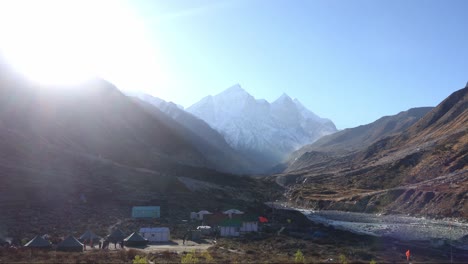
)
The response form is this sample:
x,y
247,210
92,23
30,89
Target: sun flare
x,y
65,42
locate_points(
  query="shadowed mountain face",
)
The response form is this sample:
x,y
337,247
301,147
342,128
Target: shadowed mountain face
x,y
93,119
423,169
86,154
206,140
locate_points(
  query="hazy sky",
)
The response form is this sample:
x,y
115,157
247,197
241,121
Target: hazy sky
x,y
352,61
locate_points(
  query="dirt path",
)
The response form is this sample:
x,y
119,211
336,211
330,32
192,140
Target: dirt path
x,y
178,246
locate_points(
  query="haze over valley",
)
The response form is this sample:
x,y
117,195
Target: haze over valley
x,y
336,132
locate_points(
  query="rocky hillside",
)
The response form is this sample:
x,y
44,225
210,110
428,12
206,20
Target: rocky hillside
x,y
422,170
352,139
261,131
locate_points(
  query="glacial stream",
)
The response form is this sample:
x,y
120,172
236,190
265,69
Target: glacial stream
x,y
396,226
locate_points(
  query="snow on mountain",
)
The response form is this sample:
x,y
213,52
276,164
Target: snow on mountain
x,y
266,132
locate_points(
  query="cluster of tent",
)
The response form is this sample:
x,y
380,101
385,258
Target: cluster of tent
x,y
73,244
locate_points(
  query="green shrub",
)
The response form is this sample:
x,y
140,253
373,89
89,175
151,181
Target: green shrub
x,y
343,259
140,260
189,258
299,257
372,262
207,256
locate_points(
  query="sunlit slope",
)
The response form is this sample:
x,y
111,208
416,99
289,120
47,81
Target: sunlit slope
x,y
352,139
423,169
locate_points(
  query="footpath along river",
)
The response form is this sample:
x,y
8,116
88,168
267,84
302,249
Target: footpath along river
x,y
396,226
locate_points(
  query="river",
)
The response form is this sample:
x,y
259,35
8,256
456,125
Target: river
x,y
396,226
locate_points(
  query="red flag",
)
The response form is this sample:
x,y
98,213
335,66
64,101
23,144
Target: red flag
x,y
263,219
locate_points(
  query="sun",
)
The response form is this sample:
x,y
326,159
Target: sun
x,y
65,42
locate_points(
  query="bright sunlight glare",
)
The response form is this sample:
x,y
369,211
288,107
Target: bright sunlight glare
x,y
66,41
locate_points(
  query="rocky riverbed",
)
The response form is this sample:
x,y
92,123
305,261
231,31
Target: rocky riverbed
x,y
396,226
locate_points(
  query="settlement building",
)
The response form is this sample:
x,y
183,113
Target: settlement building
x,y
155,234
230,227
146,211
249,224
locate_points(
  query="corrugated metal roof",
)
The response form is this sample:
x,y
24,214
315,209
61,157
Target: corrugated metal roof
x,y
154,229
231,222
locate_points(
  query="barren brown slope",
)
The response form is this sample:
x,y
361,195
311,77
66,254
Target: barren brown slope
x,y
432,152
352,139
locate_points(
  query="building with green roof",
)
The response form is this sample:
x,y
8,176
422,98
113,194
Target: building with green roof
x,y
146,211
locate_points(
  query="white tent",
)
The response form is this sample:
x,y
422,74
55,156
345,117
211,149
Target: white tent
x,y
155,234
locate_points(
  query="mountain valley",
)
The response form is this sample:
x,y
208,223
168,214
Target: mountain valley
x,y
421,170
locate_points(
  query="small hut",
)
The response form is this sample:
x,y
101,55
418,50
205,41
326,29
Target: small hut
x,y
89,236
230,227
249,223
70,244
116,236
146,212
135,240
38,242
155,234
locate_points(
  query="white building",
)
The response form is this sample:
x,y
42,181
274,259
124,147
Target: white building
x,y
156,234
229,231
251,226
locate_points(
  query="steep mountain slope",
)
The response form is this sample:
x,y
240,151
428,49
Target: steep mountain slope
x,y
358,138
422,170
265,133
93,118
208,141
73,158
351,139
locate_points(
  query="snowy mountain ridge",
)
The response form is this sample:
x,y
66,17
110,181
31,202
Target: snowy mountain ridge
x,y
266,132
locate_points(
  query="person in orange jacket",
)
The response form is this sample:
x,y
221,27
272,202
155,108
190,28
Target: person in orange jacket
x,y
408,254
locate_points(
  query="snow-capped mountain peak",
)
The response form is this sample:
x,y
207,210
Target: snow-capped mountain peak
x,y
234,89
262,131
284,98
